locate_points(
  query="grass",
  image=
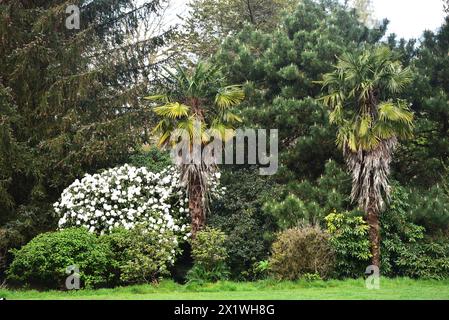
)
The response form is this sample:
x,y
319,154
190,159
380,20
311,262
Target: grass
x,y
390,289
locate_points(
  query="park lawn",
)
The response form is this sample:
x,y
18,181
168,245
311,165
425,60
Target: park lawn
x,y
395,289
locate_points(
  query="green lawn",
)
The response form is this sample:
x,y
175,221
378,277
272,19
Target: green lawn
x,y
271,290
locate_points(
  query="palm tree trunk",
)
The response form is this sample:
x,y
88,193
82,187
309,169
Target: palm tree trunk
x,y
372,218
196,207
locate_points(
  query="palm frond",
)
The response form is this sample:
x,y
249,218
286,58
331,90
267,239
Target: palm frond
x,y
229,96
172,110
389,111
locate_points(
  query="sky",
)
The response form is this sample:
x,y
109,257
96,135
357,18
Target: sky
x,y
409,18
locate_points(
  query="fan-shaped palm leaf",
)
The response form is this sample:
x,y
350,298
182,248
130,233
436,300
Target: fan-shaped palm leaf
x,y
229,96
172,110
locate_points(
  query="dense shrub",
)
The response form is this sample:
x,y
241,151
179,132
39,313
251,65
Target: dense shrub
x,y
209,255
123,197
239,214
43,261
137,255
31,220
398,232
349,239
406,248
208,247
246,243
425,260
140,254
301,251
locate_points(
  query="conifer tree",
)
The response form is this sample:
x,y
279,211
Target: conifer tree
x,y
281,68
69,98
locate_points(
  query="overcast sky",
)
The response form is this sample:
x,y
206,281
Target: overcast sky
x,y
409,18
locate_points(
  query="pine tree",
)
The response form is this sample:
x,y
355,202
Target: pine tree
x,y
282,66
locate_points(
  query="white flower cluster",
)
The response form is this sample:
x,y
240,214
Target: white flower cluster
x,y
123,197
216,191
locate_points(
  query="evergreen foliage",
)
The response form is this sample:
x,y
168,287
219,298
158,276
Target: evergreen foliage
x,y
69,99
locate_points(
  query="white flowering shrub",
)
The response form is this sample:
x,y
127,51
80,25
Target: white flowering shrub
x,y
125,197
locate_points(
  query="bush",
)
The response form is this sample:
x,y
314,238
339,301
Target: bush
x,y
425,260
406,249
43,261
398,232
30,221
138,255
246,243
141,254
301,251
261,269
208,247
209,256
123,197
239,214
349,239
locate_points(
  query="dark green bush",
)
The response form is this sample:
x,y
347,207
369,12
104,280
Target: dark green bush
x,y
349,238
398,232
125,256
29,221
43,261
140,255
425,260
246,244
239,214
209,256
301,251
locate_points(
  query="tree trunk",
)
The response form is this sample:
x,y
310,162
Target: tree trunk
x,y
196,207
372,219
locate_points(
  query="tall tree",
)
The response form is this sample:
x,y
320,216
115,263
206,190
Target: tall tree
x,y
211,21
197,103
69,97
360,93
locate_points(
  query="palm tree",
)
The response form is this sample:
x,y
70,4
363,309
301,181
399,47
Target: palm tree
x,y
197,103
370,122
